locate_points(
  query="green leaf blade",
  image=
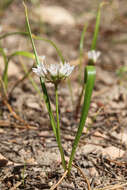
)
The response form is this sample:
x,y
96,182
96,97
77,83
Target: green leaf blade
x,y
90,74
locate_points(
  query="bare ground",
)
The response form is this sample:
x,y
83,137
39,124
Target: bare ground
x,y
29,156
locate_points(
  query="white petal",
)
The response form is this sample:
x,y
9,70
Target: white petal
x,y
94,55
66,69
43,69
40,70
37,71
53,69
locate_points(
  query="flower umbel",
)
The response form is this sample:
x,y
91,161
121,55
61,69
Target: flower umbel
x,y
53,73
94,55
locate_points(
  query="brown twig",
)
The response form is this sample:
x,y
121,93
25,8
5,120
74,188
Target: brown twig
x,y
117,163
112,187
18,82
84,177
61,179
13,113
4,99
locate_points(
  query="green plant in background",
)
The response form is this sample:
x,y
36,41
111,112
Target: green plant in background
x,y
6,63
24,54
5,75
5,3
92,54
122,75
122,71
23,173
81,49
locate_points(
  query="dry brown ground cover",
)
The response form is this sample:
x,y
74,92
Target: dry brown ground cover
x,y
29,156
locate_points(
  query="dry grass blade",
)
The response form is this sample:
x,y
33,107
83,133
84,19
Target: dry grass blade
x,y
83,175
117,163
3,88
14,114
113,187
20,81
16,185
15,125
61,179
4,123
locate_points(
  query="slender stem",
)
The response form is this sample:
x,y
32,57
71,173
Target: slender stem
x,y
81,46
48,105
45,94
12,33
58,130
5,73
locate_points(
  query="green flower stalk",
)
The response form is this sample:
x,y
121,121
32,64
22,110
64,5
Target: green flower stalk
x,y
58,129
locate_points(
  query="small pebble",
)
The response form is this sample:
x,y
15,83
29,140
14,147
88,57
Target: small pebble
x,y
50,183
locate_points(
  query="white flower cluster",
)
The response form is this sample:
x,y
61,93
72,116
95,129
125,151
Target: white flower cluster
x,y
94,55
53,73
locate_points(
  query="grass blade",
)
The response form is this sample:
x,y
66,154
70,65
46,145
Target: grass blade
x,y
53,44
46,97
81,46
5,73
45,94
22,53
13,33
96,31
36,38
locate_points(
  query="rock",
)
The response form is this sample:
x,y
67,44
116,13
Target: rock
x,y
93,171
32,104
105,77
48,158
113,152
54,15
90,148
4,161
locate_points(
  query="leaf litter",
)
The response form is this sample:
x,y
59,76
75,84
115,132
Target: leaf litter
x,y
102,152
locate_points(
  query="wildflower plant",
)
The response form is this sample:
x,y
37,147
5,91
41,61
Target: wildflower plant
x,y
54,73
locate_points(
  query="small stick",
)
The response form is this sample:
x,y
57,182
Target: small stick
x,y
112,187
85,178
61,179
14,114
